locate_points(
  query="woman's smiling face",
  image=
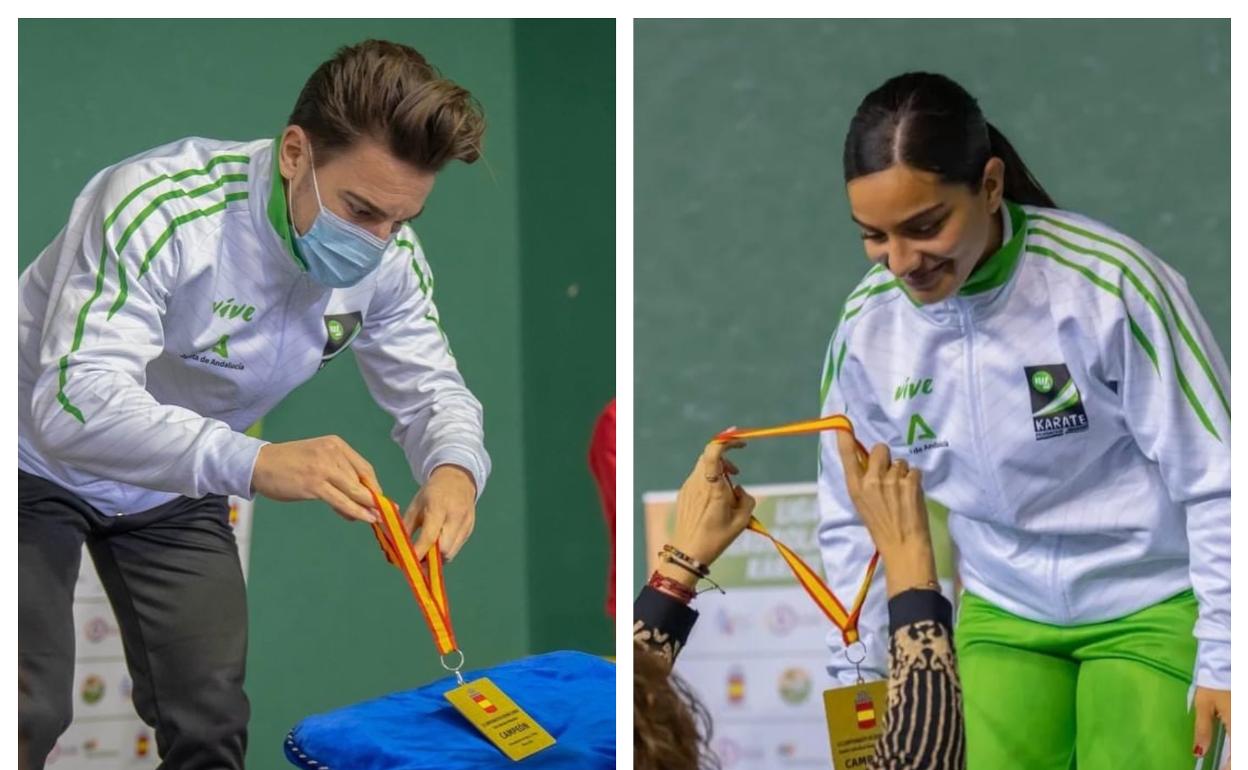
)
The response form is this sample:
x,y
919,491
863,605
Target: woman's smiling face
x,y
929,233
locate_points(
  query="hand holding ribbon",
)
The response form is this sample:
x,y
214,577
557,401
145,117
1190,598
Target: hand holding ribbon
x,y
810,580
396,544
888,496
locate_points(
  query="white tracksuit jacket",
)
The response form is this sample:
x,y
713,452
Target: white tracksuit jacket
x,y
172,312
1071,409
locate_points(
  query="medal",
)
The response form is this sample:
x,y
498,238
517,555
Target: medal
x,y
854,713
481,702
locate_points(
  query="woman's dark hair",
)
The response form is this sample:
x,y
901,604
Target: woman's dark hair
x,y
931,123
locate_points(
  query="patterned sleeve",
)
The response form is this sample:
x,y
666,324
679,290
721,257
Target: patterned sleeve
x,y
661,623
923,729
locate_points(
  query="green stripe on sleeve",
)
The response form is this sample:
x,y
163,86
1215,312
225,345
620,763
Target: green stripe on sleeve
x,y
840,359
123,290
871,292
825,379
183,219
1184,332
80,325
1145,343
420,274
832,369
1136,331
178,177
864,289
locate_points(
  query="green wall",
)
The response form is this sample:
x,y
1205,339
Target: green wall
x,y
331,623
744,250
566,106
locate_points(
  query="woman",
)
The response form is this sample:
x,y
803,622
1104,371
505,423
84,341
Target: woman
x,y
923,726
1065,400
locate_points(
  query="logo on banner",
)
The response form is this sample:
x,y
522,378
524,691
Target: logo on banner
x,y
795,686
97,629
94,748
736,685
142,744
1056,404
731,753
729,623
92,689
782,619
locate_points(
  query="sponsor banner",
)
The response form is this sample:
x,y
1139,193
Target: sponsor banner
x,y
98,637
758,619
106,733
790,512
778,746
759,689
105,744
757,656
242,514
102,689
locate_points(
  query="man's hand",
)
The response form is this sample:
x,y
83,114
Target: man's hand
x,y
1210,703
444,510
323,468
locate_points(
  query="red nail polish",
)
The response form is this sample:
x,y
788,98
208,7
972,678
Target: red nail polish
x,y
1199,750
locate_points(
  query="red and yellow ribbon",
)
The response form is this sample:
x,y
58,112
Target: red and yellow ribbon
x,y
431,596
811,582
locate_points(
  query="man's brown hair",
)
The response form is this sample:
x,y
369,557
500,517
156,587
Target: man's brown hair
x,y
389,93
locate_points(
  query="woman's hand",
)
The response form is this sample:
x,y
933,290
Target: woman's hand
x,y
1210,703
710,512
889,498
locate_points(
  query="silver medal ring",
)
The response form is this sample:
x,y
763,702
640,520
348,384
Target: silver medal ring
x,y
455,668
862,649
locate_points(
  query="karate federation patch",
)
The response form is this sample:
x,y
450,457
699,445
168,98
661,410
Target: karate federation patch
x,y
1056,404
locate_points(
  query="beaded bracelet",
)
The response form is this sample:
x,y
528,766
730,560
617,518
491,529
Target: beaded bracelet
x,y
681,559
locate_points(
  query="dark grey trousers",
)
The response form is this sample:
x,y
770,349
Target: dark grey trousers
x,y
173,577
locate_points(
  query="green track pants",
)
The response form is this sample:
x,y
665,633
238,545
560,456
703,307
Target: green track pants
x,y
1102,696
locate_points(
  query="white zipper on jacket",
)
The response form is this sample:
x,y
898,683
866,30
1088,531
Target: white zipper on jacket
x,y
977,421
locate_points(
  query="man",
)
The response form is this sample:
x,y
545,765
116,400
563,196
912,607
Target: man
x,y
195,286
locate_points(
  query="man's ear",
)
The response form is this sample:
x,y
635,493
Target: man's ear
x,y
292,147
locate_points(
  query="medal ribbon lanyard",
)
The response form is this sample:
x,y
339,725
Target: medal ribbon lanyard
x,y
431,596
811,582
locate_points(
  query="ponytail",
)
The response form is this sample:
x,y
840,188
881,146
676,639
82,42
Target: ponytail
x,y
1020,185
930,123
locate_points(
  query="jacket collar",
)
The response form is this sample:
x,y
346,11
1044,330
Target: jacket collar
x,y
272,218
989,281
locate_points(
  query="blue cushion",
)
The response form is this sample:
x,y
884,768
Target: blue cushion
x,y
571,694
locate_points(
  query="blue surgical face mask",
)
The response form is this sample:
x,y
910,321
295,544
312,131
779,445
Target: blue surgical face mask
x,y
338,253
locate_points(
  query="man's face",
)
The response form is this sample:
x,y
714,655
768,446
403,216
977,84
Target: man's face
x,y
364,184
